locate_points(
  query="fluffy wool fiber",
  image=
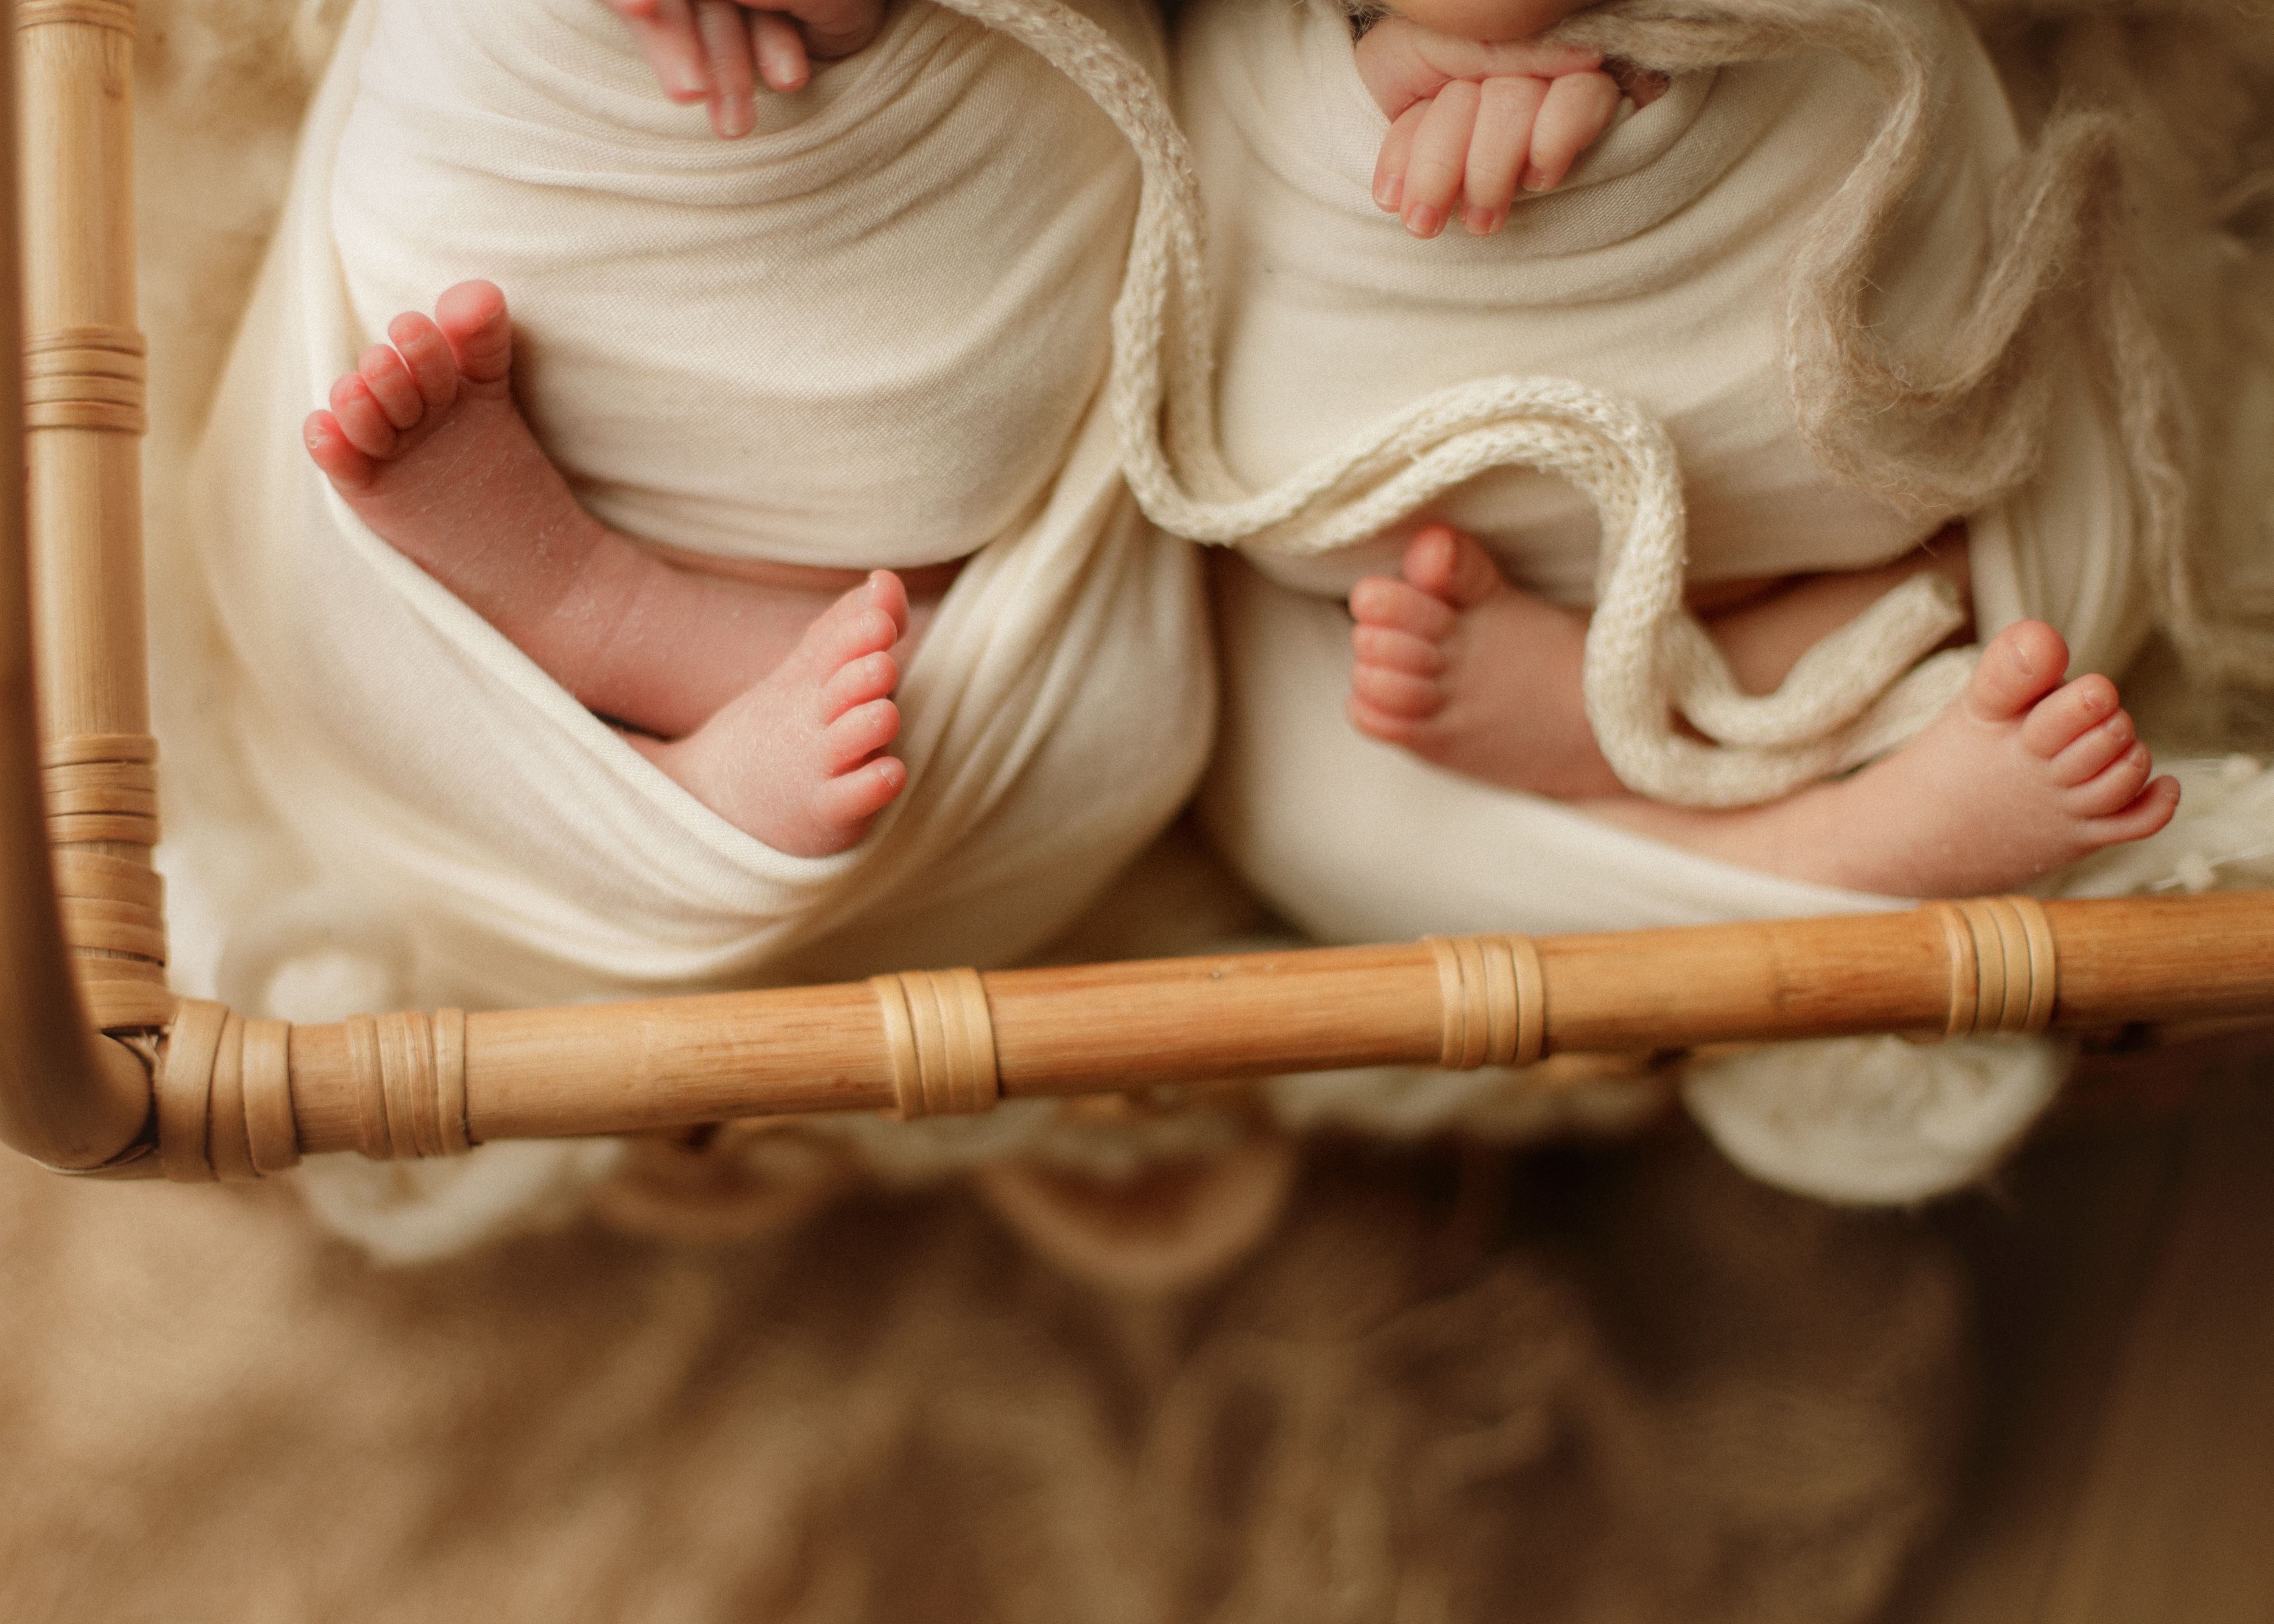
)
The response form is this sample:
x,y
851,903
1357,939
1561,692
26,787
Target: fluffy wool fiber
x,y
2191,83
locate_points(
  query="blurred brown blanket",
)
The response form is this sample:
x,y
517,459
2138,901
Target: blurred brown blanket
x,y
1617,1386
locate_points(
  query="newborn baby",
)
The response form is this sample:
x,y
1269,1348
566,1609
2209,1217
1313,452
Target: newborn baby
x,y
788,448
761,685
1654,274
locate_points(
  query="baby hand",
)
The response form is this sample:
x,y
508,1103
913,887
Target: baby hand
x,y
719,51
1474,121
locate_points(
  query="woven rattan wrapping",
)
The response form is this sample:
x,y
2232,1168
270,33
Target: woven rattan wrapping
x,y
410,1083
224,1097
85,377
2003,974
940,1035
116,15
102,789
1496,1001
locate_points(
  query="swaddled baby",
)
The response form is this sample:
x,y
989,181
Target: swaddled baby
x,y
822,462
1660,273
798,425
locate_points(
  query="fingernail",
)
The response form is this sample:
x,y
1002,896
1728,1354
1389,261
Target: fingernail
x,y
1535,180
738,119
1424,221
1387,193
1483,223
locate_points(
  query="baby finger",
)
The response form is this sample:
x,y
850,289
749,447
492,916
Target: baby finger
x,y
729,56
1578,108
782,60
665,34
833,28
1506,111
1397,152
1441,158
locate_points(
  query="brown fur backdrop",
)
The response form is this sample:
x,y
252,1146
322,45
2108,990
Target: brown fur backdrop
x,y
1616,1386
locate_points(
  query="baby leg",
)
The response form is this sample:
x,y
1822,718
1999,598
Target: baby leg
x,y
2023,774
1476,675
424,443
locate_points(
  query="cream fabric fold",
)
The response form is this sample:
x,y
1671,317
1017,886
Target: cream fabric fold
x,y
877,331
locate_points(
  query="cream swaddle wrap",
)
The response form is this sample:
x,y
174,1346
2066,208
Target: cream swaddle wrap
x,y
873,334
1656,274
1361,379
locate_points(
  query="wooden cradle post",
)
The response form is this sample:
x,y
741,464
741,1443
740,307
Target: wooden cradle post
x,y
73,1100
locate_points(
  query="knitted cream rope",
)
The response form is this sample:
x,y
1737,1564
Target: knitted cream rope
x,y
1647,658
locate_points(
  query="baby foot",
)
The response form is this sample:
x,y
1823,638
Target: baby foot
x,y
796,760
2022,775
1457,665
424,443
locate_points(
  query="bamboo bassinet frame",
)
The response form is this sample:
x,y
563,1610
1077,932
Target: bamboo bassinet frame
x,y
105,1070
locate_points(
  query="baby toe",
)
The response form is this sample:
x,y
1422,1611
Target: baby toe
x,y
851,799
871,677
1451,567
858,734
426,354
2021,664
392,385
361,418
1394,651
2146,813
889,595
849,629
2067,714
341,461
2114,787
472,318
2090,752
1380,725
1397,694
1394,606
